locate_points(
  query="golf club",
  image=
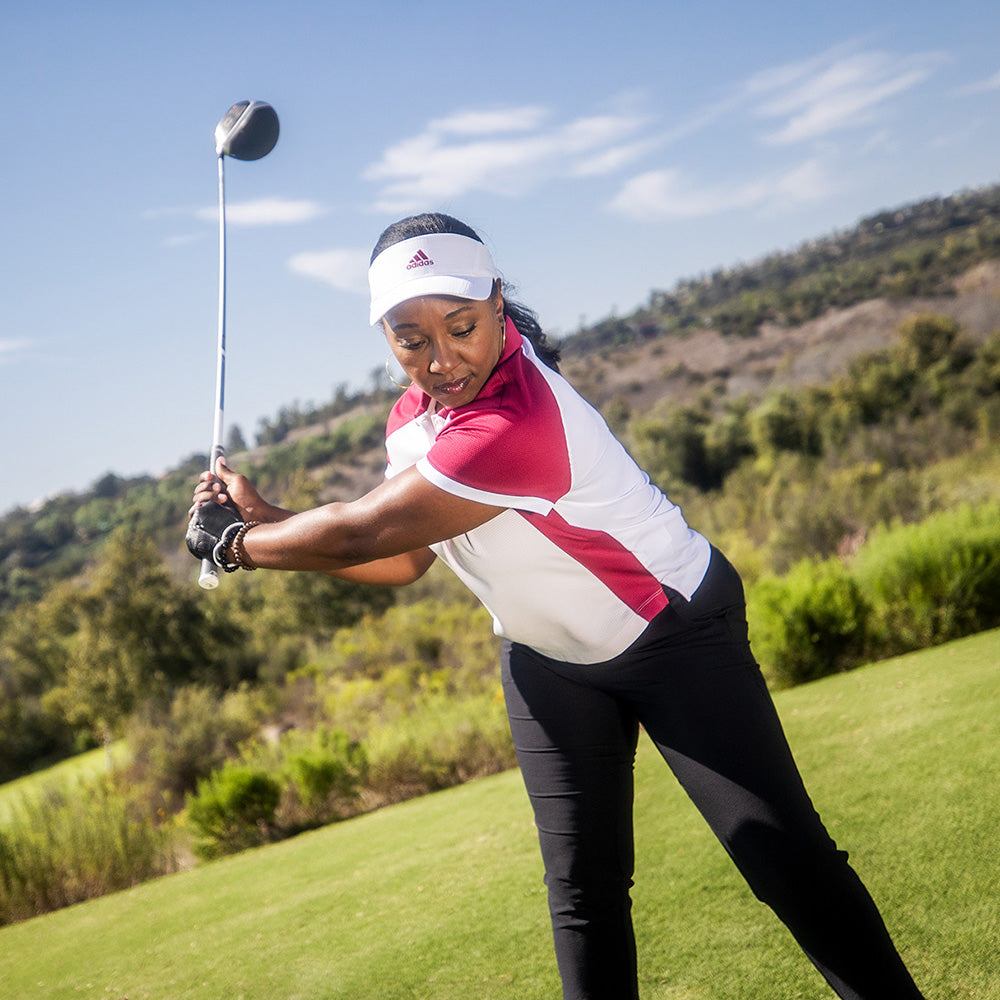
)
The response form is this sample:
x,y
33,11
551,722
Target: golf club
x,y
247,131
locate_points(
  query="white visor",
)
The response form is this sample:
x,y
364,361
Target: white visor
x,y
437,264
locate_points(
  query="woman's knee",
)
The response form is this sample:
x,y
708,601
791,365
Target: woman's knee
x,y
779,863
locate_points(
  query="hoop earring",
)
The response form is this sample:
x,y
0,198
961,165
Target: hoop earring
x,y
398,385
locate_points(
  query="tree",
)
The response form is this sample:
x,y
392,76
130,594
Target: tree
x,y
235,441
783,422
135,634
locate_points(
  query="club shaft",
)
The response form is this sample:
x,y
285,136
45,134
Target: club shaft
x,y
209,577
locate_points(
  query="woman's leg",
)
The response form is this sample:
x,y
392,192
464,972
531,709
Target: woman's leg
x,y
707,708
576,750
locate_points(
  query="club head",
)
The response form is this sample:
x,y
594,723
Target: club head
x,y
248,131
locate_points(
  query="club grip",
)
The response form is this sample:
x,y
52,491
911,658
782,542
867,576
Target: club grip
x,y
208,579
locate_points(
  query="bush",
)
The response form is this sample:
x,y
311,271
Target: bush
x,y
173,746
933,581
808,624
233,809
67,844
447,742
909,587
325,771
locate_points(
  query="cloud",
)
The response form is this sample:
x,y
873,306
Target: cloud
x,y
266,212
669,194
836,90
343,269
986,86
497,120
512,151
184,239
611,160
10,348
504,151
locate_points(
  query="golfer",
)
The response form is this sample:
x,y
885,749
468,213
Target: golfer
x,y
613,614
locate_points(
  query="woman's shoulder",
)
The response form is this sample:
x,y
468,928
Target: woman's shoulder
x,y
518,399
519,435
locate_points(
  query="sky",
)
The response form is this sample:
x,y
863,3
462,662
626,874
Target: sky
x,y
603,150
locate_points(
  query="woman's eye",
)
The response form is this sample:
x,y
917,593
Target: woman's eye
x,y
464,333
411,345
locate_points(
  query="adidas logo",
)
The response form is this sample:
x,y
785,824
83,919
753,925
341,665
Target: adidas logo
x,y
420,259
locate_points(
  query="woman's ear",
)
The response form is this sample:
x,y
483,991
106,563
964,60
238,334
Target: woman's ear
x,y
498,299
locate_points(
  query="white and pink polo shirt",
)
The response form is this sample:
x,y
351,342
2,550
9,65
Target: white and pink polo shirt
x,y
575,567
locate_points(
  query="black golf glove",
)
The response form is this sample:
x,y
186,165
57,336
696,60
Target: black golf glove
x,y
211,528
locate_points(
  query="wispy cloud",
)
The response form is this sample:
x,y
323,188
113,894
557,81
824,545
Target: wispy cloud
x,y
10,348
991,83
836,90
184,239
503,151
669,194
778,108
484,122
266,212
512,151
343,269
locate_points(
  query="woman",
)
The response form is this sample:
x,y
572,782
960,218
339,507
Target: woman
x,y
613,613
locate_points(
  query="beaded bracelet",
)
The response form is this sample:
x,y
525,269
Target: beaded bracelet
x,y
240,556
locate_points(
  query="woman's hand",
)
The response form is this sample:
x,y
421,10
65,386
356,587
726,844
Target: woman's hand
x,y
232,489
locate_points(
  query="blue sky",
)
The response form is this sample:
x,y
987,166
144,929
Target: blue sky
x,y
602,149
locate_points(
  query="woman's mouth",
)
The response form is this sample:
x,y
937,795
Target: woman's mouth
x,y
455,388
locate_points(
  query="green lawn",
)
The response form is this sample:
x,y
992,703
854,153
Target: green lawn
x,y
441,897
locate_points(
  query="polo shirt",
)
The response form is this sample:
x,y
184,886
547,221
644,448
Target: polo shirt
x,y
576,564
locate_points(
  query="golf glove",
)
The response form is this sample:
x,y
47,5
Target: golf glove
x,y
210,530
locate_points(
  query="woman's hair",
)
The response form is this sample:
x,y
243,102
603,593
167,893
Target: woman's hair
x,y
437,222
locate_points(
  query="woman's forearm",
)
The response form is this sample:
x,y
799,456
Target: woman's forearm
x,y
321,539
327,541
394,571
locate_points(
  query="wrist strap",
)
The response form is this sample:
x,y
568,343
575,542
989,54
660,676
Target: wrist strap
x,y
219,552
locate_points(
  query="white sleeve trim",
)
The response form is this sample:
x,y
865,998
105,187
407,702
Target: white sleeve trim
x,y
537,505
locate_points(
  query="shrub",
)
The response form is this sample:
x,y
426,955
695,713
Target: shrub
x,y
173,746
933,581
448,741
71,843
910,586
233,809
325,770
808,624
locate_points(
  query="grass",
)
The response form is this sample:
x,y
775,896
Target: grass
x,y
64,775
441,897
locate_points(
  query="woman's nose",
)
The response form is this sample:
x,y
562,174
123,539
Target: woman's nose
x,y
443,359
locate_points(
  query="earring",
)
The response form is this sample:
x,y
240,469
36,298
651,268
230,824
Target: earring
x,y
398,385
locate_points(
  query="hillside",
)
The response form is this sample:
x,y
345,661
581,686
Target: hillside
x,y
679,366
788,320
443,897
785,322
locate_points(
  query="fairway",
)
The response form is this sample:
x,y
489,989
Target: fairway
x,y
441,897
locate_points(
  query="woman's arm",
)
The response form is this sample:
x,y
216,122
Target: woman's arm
x,y
382,538
394,571
382,535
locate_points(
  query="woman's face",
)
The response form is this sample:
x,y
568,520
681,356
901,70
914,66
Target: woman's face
x,y
447,346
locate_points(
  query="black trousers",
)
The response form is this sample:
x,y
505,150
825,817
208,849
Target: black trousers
x,y
692,683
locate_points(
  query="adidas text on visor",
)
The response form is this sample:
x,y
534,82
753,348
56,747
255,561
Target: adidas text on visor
x,y
437,264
